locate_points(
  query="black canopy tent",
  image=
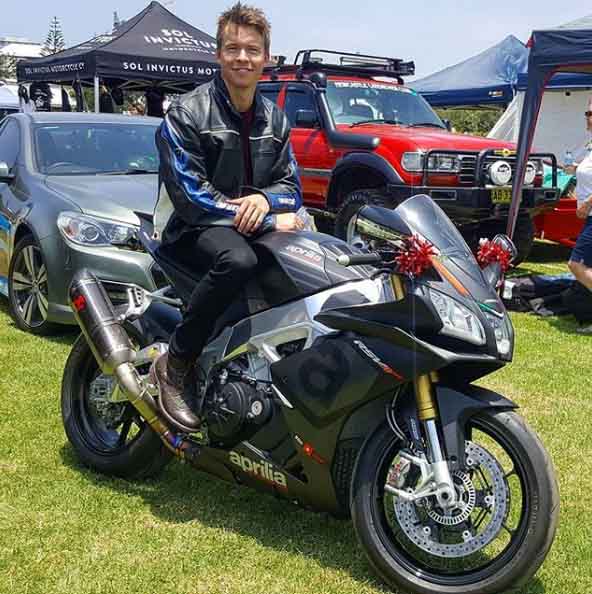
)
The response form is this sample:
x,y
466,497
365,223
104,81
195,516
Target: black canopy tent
x,y
554,50
153,48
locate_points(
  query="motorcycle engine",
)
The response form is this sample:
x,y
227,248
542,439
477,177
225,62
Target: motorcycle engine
x,y
235,410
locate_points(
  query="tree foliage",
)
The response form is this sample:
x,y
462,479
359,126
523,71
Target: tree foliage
x,y
7,66
54,42
472,121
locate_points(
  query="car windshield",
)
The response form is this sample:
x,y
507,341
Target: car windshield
x,y
355,102
94,149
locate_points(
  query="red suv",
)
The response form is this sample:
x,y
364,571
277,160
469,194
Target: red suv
x,y
360,136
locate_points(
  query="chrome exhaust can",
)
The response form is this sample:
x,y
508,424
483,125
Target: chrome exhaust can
x,y
96,317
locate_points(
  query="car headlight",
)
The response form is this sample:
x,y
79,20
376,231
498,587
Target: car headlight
x,y
500,173
530,173
444,163
413,161
501,330
93,231
458,321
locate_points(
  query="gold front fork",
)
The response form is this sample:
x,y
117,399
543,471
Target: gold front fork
x,y
424,397
424,384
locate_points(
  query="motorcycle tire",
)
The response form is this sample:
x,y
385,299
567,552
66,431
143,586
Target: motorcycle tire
x,y
509,570
141,454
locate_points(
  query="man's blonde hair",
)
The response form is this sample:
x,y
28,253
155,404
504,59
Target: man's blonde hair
x,y
246,16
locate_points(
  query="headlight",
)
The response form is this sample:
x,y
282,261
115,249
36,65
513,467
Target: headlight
x,y
502,332
414,161
458,320
500,173
444,163
93,231
530,173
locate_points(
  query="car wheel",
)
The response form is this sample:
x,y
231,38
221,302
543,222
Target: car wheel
x,y
27,289
345,222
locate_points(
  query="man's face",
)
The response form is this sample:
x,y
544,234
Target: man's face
x,y
242,56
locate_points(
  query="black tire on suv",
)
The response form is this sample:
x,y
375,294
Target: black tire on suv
x,y
352,204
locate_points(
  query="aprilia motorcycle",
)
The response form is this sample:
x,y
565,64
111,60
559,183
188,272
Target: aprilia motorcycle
x,y
340,380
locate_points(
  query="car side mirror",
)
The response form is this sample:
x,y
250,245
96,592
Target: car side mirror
x,y
5,176
505,242
306,118
448,125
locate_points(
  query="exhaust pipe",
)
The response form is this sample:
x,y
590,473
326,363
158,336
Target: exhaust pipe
x,y
114,353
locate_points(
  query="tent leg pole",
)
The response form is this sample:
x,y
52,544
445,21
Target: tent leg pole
x,y
96,94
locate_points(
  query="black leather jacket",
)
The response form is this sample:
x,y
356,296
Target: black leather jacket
x,y
201,161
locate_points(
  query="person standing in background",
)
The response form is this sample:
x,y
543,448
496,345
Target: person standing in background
x,y
580,261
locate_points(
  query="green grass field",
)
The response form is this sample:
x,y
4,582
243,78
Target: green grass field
x,y
67,530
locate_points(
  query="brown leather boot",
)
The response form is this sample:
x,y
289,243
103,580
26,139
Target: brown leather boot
x,y
169,374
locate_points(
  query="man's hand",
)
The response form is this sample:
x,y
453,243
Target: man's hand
x,y
288,221
251,212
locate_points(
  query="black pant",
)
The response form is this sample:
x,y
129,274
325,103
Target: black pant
x,y
230,262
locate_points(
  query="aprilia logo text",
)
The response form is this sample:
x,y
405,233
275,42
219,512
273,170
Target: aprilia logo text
x,y
262,470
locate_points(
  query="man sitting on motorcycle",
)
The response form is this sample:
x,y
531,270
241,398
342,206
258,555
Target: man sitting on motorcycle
x,y
227,172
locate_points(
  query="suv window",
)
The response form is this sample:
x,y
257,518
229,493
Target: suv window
x,y
270,91
9,143
298,97
358,101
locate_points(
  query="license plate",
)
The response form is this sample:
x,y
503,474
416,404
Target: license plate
x,y
501,195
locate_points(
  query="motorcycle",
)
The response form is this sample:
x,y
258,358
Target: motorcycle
x,y
342,380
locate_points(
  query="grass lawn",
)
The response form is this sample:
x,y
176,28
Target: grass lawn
x,y
64,529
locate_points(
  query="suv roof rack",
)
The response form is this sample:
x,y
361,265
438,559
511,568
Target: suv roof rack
x,y
308,60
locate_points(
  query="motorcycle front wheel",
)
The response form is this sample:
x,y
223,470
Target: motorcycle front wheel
x,y
497,538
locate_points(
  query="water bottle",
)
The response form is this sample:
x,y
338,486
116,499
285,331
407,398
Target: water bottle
x,y
568,159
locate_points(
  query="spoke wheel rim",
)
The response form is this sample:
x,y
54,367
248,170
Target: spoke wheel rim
x,y
422,570
29,286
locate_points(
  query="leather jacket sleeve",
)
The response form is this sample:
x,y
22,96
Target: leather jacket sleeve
x,y
183,170
284,194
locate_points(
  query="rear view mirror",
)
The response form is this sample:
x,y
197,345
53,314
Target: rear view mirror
x,y
505,242
306,118
5,176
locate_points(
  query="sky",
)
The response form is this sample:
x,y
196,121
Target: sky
x,y
435,34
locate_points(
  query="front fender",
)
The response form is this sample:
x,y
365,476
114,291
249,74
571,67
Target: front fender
x,y
456,407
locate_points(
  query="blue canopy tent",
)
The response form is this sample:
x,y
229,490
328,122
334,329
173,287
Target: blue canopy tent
x,y
555,50
488,78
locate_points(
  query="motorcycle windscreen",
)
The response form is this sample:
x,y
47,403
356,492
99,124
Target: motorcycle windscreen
x,y
424,217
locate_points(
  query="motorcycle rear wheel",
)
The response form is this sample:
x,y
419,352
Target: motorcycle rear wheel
x,y
528,530
118,442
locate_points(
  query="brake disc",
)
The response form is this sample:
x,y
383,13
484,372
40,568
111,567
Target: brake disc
x,y
100,391
424,523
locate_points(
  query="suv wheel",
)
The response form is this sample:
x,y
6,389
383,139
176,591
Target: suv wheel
x,y
346,215
27,289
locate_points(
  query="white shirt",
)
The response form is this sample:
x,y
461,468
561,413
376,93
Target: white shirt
x,y
584,179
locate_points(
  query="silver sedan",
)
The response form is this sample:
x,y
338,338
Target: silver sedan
x,y
70,185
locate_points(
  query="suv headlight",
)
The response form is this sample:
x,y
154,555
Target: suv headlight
x,y
458,321
93,231
413,161
502,332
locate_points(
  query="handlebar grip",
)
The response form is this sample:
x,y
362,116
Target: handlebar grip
x,y
357,259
